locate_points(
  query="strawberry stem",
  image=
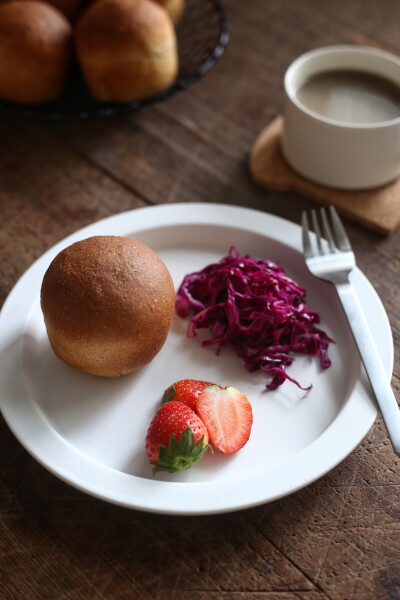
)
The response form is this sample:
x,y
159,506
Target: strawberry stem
x,y
180,455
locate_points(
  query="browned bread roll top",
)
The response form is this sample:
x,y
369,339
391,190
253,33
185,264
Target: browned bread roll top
x,y
35,51
127,49
107,303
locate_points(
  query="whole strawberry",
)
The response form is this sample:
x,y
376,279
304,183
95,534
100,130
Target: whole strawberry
x,y
176,438
186,391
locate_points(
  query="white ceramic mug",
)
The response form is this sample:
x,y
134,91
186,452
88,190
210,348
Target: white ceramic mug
x,y
330,152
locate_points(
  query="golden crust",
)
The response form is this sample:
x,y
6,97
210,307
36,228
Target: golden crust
x,y
107,302
174,8
127,49
35,51
126,24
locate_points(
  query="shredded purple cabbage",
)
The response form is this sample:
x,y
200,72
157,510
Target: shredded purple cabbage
x,y
253,307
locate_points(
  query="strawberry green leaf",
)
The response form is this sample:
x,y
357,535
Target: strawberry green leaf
x,y
168,394
180,455
187,442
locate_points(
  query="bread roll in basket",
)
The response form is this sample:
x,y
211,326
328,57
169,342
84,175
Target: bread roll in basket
x,y
35,51
127,49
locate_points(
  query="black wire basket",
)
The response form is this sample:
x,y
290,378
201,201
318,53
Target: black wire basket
x,y
202,35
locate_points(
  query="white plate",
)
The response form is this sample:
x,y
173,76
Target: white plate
x,y
91,431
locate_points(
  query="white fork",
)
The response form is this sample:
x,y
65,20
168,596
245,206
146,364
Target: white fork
x,y
331,258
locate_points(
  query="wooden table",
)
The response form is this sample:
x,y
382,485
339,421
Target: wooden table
x,y
340,537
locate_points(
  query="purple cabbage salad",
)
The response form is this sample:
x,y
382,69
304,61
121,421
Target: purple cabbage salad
x,y
253,307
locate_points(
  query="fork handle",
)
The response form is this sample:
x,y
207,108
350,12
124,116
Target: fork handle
x,y
372,362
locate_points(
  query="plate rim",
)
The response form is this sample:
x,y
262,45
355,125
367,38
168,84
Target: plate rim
x,y
127,223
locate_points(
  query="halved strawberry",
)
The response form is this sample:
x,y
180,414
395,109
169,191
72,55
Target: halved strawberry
x,y
176,438
227,415
186,391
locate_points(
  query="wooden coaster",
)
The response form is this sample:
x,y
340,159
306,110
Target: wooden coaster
x,y
378,209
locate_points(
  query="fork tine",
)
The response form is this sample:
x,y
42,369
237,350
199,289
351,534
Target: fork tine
x,y
317,231
327,230
342,240
307,247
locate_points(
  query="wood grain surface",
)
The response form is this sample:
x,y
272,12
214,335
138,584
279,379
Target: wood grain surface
x,y
337,539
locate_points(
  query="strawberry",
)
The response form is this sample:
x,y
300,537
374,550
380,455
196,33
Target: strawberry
x,y
227,415
176,438
186,391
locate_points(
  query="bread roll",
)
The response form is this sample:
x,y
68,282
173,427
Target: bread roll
x,y
107,303
173,7
35,51
127,49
